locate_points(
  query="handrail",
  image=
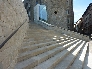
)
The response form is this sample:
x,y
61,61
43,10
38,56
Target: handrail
x,y
2,44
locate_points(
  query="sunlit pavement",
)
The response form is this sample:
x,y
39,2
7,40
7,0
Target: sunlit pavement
x,y
90,55
90,60
90,46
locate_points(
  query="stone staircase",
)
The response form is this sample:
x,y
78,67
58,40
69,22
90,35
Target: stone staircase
x,y
47,49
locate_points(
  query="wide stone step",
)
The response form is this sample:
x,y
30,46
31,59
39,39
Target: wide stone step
x,y
70,58
78,63
27,42
33,41
30,40
44,56
59,37
38,37
35,46
34,52
47,55
52,62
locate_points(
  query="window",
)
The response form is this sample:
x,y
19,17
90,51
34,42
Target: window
x,y
28,5
68,2
68,20
68,11
90,16
29,13
68,27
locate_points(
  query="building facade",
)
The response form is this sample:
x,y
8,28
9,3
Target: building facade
x,y
87,20
84,24
59,12
79,26
70,15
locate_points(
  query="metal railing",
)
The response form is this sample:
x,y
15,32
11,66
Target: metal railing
x,y
5,41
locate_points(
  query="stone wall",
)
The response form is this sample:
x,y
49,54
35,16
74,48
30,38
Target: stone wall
x,y
60,13
12,16
56,12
